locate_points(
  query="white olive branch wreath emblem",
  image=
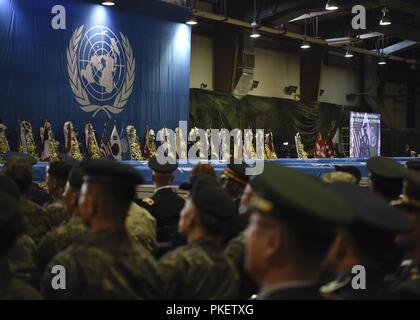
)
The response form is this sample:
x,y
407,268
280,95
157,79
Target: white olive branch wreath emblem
x,y
80,93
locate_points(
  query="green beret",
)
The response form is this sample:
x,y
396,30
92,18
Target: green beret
x,y
292,196
385,168
59,169
212,200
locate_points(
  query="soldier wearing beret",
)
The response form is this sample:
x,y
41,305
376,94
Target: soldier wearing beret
x,y
200,270
107,264
368,242
165,206
386,176
20,171
12,225
406,284
58,239
22,256
56,178
22,174
292,226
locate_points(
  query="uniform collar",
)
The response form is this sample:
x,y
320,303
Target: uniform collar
x,y
267,291
162,188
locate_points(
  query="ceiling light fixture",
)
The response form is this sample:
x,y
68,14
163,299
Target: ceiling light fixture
x,y
305,44
192,21
385,20
108,3
331,5
349,54
255,34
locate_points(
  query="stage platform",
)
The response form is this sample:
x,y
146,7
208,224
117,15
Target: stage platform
x,y
316,167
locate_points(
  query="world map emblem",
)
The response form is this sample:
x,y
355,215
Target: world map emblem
x,y
101,70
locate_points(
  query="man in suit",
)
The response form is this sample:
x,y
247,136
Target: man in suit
x,y
165,206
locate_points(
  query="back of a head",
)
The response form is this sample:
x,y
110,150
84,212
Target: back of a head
x,y
7,185
75,178
216,209
20,171
117,182
59,170
388,188
203,168
386,176
12,222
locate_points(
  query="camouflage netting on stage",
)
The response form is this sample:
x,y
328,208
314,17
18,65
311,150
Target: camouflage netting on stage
x,y
284,117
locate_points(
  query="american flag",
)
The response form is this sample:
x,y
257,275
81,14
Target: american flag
x,y
106,148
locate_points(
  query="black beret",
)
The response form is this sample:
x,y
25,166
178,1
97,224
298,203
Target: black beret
x,y
12,222
19,155
413,165
211,199
69,160
75,178
193,179
371,209
385,168
10,187
111,172
350,169
161,168
288,194
237,172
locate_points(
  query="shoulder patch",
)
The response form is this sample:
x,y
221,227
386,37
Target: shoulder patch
x,y
148,201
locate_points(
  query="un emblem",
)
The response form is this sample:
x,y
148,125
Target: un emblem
x,y
101,70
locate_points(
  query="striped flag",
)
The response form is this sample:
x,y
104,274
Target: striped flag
x,y
106,148
116,148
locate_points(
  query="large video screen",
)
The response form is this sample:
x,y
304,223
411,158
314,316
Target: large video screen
x,y
365,135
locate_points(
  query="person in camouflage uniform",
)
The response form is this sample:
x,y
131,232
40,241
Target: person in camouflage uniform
x,y
56,178
200,270
107,264
22,256
20,171
141,226
12,224
58,239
